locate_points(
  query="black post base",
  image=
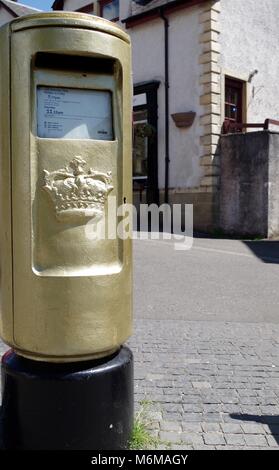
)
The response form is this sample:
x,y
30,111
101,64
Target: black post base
x,y
77,406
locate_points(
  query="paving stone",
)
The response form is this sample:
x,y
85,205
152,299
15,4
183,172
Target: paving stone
x,y
172,416
210,427
170,437
191,427
211,408
193,408
201,385
267,401
172,407
181,447
230,428
251,410
227,448
192,417
162,447
154,425
229,418
271,429
192,438
211,417
195,399
235,439
155,416
270,410
228,400
246,392
264,394
204,447
249,400
273,441
171,426
231,409
214,438
211,399
173,391
252,428
254,440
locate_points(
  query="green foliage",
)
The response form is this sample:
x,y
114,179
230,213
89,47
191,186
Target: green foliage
x,y
143,130
141,437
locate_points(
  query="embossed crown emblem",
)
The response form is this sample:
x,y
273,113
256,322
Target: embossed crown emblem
x,y
77,192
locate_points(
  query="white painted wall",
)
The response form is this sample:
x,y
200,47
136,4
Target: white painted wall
x,y
73,5
5,16
148,64
249,41
185,50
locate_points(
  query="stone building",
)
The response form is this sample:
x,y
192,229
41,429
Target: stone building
x,y
196,64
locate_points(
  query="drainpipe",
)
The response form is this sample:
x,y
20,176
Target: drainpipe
x,y
167,85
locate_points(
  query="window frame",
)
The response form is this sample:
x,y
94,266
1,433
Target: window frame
x,y
103,3
239,85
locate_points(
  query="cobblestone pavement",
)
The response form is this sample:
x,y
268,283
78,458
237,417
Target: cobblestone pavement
x,y
206,344
209,385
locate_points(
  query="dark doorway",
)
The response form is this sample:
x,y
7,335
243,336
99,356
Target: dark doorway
x,y
145,143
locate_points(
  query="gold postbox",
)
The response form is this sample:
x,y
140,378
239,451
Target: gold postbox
x,y
65,147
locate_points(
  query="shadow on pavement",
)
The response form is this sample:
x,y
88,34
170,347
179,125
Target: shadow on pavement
x,y
266,250
271,421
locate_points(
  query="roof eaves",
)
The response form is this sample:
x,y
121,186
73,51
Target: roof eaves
x,y
155,12
18,9
9,10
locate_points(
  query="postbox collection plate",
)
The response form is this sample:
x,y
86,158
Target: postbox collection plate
x,y
69,113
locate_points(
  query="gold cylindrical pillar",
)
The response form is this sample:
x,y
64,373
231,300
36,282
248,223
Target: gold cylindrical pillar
x,y
65,150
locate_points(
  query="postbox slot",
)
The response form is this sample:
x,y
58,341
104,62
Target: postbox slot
x,y
46,60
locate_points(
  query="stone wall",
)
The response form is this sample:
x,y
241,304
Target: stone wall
x,y
249,195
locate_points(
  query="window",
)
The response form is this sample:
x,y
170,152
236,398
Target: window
x,y
87,9
233,100
109,9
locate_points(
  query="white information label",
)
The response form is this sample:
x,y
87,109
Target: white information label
x,y
139,100
68,113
